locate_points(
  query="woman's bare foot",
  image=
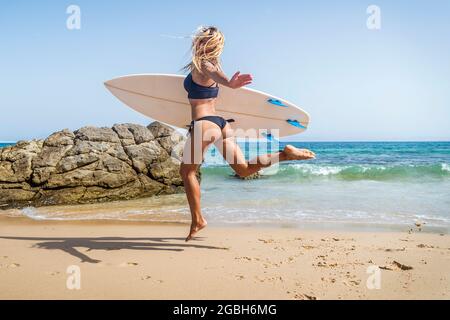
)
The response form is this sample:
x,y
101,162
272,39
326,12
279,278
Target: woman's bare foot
x,y
196,227
293,153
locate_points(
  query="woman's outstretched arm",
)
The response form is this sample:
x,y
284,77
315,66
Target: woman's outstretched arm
x,y
237,80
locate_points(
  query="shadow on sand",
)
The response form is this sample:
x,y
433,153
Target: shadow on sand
x,y
72,245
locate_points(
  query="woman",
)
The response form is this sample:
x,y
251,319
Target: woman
x,y
202,85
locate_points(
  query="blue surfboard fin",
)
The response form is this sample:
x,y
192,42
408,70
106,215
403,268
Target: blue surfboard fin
x,y
276,102
295,123
270,137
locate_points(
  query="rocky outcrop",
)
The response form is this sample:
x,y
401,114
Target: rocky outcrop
x,y
92,165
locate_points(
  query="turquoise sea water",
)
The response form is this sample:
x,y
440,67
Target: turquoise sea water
x,y
362,184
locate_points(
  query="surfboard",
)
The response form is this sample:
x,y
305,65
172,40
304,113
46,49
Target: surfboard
x,y
256,114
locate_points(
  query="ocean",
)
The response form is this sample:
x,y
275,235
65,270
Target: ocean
x,y
4,144
387,185
369,184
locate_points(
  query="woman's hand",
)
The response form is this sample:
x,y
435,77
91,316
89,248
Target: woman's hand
x,y
239,80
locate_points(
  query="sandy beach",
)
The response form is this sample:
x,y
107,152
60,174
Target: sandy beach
x,y
126,260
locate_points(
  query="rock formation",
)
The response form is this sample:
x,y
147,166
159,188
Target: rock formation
x,y
92,165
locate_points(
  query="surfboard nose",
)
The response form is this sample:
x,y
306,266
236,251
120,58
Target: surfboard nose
x,y
118,82
108,83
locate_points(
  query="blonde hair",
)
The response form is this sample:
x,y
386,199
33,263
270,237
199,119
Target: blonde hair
x,y
207,46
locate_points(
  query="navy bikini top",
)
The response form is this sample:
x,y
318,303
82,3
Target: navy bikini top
x,y
196,91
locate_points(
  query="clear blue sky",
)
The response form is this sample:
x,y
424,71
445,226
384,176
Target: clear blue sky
x,y
356,83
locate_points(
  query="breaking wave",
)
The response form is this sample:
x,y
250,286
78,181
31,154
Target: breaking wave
x,y
349,172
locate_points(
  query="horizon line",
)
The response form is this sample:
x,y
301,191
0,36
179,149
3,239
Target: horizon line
x,y
300,140
367,141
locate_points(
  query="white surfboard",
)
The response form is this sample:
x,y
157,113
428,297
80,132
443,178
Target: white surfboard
x,y
256,114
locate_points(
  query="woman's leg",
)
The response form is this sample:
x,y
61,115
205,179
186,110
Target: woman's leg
x,y
233,154
202,136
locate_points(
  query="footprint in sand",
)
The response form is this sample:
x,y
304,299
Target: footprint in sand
x,y
267,240
324,264
244,258
355,282
425,246
147,277
129,264
291,259
270,279
331,280
395,250
351,283
9,266
303,296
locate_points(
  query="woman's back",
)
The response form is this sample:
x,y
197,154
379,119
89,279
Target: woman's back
x,y
202,94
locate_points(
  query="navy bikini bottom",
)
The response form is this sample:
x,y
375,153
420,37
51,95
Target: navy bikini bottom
x,y
219,121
